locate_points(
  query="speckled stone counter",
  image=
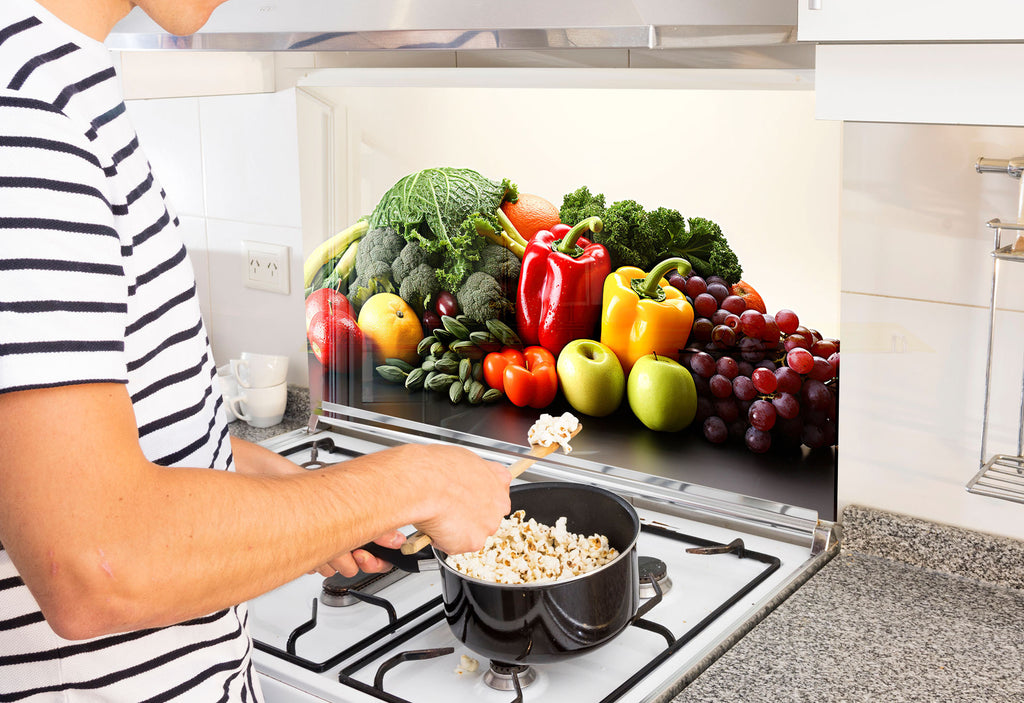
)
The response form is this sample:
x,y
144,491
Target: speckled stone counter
x,y
908,611
296,415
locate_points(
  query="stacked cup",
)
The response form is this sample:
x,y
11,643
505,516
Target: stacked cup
x,y
262,392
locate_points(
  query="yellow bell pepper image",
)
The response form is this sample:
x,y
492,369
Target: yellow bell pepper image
x,y
643,313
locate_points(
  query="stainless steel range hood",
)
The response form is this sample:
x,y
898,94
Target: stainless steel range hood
x,y
474,25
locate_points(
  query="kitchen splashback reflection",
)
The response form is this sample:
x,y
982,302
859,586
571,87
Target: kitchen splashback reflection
x,y
917,276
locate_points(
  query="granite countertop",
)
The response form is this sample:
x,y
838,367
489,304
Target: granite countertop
x,y
296,415
907,611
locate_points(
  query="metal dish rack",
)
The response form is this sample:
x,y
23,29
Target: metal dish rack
x,y
1001,475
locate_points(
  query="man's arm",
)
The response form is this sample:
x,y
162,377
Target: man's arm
x,y
107,541
251,458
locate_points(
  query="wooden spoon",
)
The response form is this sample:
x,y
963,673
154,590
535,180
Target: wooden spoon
x,y
418,540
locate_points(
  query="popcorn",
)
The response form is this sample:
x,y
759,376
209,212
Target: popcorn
x,y
550,430
467,665
525,551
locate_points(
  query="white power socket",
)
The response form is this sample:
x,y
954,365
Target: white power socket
x,y
265,266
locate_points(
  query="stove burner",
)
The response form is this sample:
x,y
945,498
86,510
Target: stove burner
x,y
313,464
652,567
501,676
337,591
321,444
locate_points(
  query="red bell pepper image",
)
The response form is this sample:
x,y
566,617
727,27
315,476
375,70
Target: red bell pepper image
x,y
527,377
495,363
560,286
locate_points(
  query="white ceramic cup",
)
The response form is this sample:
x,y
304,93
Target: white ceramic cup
x,y
260,407
228,389
253,370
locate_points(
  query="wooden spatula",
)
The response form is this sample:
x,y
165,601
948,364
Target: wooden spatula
x,y
418,540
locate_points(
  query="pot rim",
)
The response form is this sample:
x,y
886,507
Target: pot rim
x,y
441,556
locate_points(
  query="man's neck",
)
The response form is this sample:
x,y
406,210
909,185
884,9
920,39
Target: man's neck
x,y
94,18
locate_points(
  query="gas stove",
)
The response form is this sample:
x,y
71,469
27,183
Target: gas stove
x,y
712,566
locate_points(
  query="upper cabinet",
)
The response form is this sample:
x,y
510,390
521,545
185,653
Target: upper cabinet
x,y
937,61
911,20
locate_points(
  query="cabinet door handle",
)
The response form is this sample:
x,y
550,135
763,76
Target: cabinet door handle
x,y
813,4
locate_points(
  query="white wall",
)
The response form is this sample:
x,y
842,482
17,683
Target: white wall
x,y
916,283
229,165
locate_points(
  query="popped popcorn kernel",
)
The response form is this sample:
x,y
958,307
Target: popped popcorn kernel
x,y
550,430
528,552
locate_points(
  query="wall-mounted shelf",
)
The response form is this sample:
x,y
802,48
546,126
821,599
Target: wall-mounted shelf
x,y
1008,253
1001,475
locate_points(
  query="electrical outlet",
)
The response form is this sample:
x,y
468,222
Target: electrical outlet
x,y
265,266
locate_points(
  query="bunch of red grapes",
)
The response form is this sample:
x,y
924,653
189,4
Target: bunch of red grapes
x,y
761,379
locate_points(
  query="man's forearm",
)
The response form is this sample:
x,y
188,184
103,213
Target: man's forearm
x,y
251,458
108,541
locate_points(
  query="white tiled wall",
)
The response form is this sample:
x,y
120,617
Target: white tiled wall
x,y
917,276
229,165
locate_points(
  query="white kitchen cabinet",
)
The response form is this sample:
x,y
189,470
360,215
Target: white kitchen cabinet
x,y
938,62
923,20
920,83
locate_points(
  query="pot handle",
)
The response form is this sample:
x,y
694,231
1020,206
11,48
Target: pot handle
x,y
650,603
423,560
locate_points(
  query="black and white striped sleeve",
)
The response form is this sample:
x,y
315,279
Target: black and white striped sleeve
x,y
63,289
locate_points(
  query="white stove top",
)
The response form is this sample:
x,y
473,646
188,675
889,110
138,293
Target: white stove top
x,y
637,665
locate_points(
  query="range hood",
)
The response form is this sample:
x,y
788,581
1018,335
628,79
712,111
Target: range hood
x,y
474,25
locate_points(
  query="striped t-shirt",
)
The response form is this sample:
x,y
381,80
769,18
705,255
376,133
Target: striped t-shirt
x,y
95,286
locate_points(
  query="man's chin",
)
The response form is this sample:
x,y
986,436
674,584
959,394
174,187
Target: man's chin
x,y
180,19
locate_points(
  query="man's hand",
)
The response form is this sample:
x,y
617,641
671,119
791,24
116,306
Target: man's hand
x,y
351,563
462,496
467,497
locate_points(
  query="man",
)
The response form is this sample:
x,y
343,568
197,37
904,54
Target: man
x,y
124,556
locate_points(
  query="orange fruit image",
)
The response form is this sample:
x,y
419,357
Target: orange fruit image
x,y
392,328
530,214
750,296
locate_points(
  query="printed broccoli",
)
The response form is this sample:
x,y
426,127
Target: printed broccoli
x,y
579,205
409,259
381,244
377,250
707,250
420,286
482,299
374,278
503,265
374,270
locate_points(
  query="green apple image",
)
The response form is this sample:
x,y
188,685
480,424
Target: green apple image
x,y
591,377
661,393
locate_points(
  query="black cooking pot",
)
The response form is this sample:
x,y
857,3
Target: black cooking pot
x,y
543,622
